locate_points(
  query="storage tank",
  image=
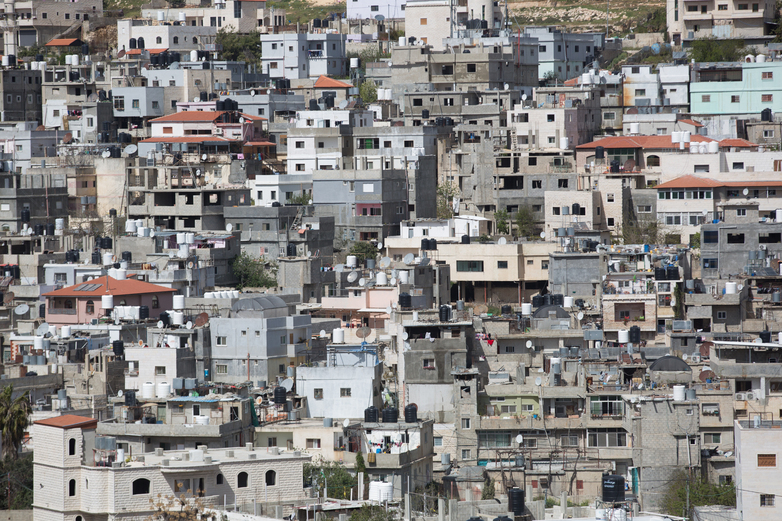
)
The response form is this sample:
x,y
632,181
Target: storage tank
x,y
405,300
181,238
765,337
148,390
59,224
676,137
526,309
163,389
65,332
161,16
352,261
190,238
694,148
328,422
404,275
411,413
613,488
108,258
280,395
690,395
193,56
380,491
731,288
107,301
635,128
635,335
516,501
122,274
569,302
179,302
130,226
703,148
338,336
623,336
382,279
713,147
182,16
564,143
371,414
678,393
177,318
390,415
201,419
354,63
686,136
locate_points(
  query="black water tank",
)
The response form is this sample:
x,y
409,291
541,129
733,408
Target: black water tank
x,y
280,395
38,229
635,335
537,301
516,501
765,337
465,239
325,23
765,115
113,212
558,299
85,49
600,153
130,398
411,413
119,347
68,257
143,312
672,273
164,317
425,113
390,415
42,310
444,312
659,274
316,23
290,250
432,244
219,105
127,256
405,300
25,215
613,488
107,243
39,57
95,257
424,244
371,414
204,96
506,310
575,209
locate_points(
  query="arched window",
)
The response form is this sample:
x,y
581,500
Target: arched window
x,y
155,302
123,302
72,447
72,487
90,307
241,480
219,479
176,39
271,478
141,486
78,518
69,304
158,40
195,40
653,161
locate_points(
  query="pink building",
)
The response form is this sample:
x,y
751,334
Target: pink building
x,y
81,303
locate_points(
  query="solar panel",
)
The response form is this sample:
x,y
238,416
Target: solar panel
x,y
88,287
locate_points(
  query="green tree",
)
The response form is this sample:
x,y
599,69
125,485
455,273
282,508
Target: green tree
x,y
302,198
239,47
14,419
701,492
367,91
525,221
20,472
329,474
646,231
373,513
488,489
695,240
363,250
501,218
254,272
711,49
678,307
445,194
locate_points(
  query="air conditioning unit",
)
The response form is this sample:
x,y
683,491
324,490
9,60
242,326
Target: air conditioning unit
x,y
751,396
763,247
218,131
741,397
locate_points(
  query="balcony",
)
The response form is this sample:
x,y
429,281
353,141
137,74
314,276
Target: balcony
x,y
386,461
60,311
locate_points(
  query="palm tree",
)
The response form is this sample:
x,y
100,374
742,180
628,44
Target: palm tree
x,y
14,419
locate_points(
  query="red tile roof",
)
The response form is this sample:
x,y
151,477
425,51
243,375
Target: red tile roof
x,y
186,139
324,82
260,144
645,142
189,115
134,52
69,421
63,42
691,181
690,122
97,287
738,143
250,116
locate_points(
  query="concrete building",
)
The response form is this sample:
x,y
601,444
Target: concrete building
x,y
735,88
757,443
748,22
140,33
369,9
303,55
231,15
274,105
38,22
44,195
562,55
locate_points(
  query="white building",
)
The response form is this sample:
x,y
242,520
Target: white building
x,y
148,34
232,15
369,9
757,446
303,55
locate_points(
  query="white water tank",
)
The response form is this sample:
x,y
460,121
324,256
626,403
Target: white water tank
x,y
624,336
380,491
382,279
161,16
676,137
635,128
693,148
177,318
526,309
107,301
121,274
181,238
713,147
123,264
209,294
731,288
147,390
404,275
120,455
235,293
184,250
190,238
200,419
163,389
682,145
130,226
179,302
704,147
402,41
568,302
112,272
354,63
564,143
749,59
65,332
686,136
193,56
141,231
182,16
352,261
59,224
760,58
617,514
38,342
600,514
678,393
108,258
338,336
75,60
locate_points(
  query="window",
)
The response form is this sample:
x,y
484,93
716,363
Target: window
x,y
182,485
428,363
726,480
221,369
741,212
140,486
242,480
550,118
465,423
438,441
344,392
562,183
768,133
158,40
470,67
640,92
610,221
502,265
155,302
767,500
607,438
537,184
160,370
643,208
469,266
271,478
90,307
712,438
176,39
119,103
768,75
705,98
767,460
299,144
72,487
318,394
767,98
722,7
221,341
710,264
422,21
569,441
219,479
722,315
313,443
711,409
609,116
736,238
544,265
72,447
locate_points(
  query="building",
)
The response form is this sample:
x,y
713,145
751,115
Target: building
x,y
232,15
748,22
38,22
563,55
735,88
432,22
369,9
756,442
140,33
303,55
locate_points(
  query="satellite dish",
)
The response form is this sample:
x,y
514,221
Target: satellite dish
x,y
538,381
394,274
202,319
363,332
580,315
542,235
389,309
705,213
21,309
152,233
380,17
287,384
380,246
685,357
409,259
502,240
171,255
131,149
740,287
393,281
385,262
362,282
106,154
673,302
343,104
519,438
189,325
529,343
523,97
352,276
42,329
8,298
197,99
346,423
204,157
229,227
506,86
140,343
198,172
405,336
241,120
160,324
339,268
745,191
252,93
120,393
425,261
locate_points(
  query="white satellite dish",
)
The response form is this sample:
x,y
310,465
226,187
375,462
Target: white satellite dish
x,y
152,233
204,157
385,262
130,149
685,357
189,325
196,99
346,423
740,287
362,282
409,259
309,253
229,227
160,324
389,309
519,438
394,274
42,329
21,309
580,315
393,281
171,255
198,172
523,97
339,268
502,240
506,86
745,191
252,93
529,343
120,393
380,246
352,276
241,120
542,235
405,336
106,154
538,381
